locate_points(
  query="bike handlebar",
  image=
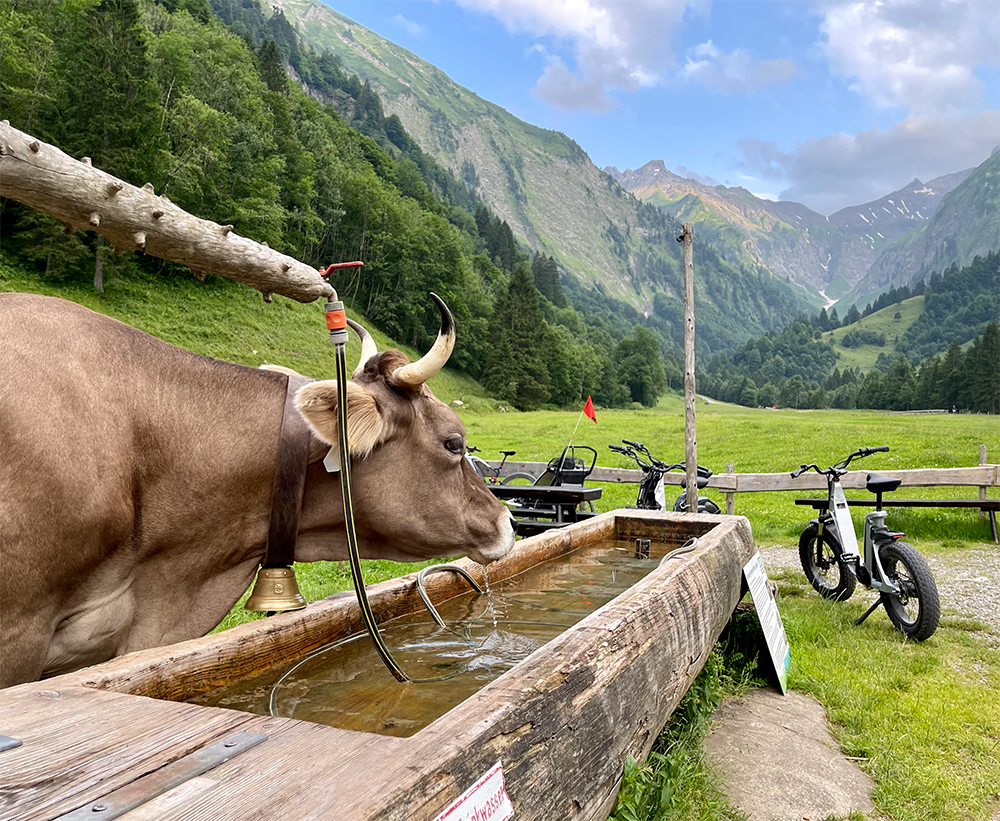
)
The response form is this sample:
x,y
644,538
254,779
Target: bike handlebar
x,y
654,463
840,467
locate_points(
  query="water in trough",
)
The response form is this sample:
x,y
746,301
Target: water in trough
x,y
346,685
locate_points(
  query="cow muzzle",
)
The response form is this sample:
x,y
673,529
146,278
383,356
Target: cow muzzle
x,y
501,547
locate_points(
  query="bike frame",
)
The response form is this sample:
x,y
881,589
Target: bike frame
x,y
489,474
839,527
651,490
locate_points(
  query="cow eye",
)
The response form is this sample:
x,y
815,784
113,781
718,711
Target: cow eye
x,y
456,444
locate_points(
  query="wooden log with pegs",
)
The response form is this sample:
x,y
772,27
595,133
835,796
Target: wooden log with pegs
x,y
133,218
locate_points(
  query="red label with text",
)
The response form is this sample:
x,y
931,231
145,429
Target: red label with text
x,y
486,800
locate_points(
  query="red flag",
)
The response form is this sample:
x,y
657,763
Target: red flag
x,y
588,410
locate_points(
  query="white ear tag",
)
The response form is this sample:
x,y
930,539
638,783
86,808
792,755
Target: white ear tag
x,y
332,460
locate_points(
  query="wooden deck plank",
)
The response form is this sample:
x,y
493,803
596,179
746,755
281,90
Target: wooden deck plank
x,y
82,744
78,743
302,771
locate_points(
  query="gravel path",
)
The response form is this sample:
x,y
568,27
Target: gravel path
x,y
968,580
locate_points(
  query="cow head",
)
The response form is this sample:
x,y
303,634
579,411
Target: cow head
x,y
414,494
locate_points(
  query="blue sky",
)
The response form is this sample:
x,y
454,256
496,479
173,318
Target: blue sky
x,y
827,102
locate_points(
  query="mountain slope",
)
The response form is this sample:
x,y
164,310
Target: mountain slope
x,y
965,225
828,254
544,185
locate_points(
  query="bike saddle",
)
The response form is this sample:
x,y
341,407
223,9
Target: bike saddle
x,y
702,481
877,483
508,452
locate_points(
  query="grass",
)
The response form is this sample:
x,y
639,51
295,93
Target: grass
x,y
675,782
882,321
924,719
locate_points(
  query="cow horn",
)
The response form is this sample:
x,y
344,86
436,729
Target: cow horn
x,y
416,373
368,349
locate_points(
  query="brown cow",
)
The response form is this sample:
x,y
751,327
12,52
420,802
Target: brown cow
x,y
136,479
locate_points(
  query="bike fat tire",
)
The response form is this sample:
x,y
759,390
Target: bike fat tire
x,y
823,566
917,611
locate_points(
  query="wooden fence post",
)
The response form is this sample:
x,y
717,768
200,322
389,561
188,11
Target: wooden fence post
x,y
730,495
982,489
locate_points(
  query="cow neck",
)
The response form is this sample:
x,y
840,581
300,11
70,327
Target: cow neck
x,y
289,481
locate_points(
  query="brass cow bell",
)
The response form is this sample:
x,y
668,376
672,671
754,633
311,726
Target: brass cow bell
x,y
275,591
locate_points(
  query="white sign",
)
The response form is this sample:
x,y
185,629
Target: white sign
x,y
486,800
770,620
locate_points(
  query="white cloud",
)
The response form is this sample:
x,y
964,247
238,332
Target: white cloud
x,y
737,71
411,28
623,44
839,170
916,54
563,89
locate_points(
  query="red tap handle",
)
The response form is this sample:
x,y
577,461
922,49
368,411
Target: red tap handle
x,y
325,272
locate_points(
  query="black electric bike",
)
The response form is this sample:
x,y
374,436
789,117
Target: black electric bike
x,y
651,493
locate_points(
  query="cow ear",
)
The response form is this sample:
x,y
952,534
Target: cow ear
x,y
317,402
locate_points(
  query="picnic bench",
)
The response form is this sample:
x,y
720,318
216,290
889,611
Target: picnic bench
x,y
557,505
990,506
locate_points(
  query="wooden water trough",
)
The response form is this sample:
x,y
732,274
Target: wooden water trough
x,y
119,740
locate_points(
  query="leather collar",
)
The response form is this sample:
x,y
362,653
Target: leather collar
x,y
289,482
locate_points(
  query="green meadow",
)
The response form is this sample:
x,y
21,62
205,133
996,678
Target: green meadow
x,y
762,441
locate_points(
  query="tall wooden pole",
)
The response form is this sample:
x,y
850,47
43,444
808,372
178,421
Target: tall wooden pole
x,y
690,436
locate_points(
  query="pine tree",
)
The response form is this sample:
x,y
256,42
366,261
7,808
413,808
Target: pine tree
x,y
108,106
982,373
545,271
515,367
640,367
272,72
952,375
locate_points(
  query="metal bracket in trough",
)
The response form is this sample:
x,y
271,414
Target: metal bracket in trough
x,y
149,787
8,743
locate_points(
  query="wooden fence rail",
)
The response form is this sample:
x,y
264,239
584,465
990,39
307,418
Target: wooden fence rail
x,y
983,476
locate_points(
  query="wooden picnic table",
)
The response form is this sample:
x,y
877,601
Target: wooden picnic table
x,y
557,503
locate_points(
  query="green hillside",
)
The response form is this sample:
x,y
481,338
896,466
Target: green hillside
x,y
937,348
883,323
964,226
211,119
231,322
